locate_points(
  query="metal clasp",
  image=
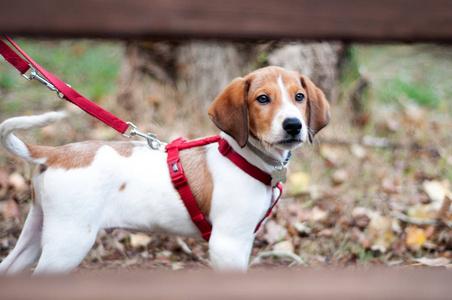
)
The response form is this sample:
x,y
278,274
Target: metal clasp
x,y
151,138
35,75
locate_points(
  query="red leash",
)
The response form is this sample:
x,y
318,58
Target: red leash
x,y
56,84
176,171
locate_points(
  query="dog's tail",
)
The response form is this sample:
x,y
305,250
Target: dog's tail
x,y
15,145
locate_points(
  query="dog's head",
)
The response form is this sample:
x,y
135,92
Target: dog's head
x,y
280,108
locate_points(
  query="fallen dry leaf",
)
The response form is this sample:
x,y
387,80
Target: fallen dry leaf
x,y
436,190
284,246
339,176
98,253
423,211
329,153
317,214
379,232
302,228
115,243
415,237
361,212
358,151
392,124
299,183
326,232
138,240
17,181
274,232
11,210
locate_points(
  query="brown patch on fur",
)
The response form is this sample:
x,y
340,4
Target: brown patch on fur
x,y
199,179
77,155
319,116
229,111
122,187
265,82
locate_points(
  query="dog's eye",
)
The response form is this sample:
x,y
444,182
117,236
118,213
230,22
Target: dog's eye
x,y
263,99
299,97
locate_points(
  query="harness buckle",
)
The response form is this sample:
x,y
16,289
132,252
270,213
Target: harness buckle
x,y
179,180
177,173
224,147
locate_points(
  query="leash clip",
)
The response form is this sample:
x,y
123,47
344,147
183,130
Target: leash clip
x,y
151,138
35,75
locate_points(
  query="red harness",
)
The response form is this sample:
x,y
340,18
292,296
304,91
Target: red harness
x,y
180,181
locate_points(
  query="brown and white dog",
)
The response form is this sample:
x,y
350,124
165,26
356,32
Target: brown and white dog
x,y
81,188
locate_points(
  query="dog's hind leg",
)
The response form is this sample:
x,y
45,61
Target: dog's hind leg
x,y
28,247
64,245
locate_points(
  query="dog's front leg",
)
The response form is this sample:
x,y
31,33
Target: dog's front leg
x,y
229,250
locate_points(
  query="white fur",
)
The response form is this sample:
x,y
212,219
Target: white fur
x,y
71,206
288,110
16,146
77,203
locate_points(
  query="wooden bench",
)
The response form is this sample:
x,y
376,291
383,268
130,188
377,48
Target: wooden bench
x,y
347,20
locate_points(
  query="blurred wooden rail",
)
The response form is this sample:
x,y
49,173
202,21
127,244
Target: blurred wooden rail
x,y
309,284
349,20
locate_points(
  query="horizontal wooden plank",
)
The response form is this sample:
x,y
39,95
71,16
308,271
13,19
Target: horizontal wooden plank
x,y
308,284
355,20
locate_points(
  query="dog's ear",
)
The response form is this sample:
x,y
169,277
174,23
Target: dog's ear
x,y
229,111
318,107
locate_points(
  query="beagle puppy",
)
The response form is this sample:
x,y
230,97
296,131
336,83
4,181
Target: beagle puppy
x,y
81,188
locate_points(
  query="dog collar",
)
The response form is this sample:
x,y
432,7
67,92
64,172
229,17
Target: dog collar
x,y
268,158
279,172
227,151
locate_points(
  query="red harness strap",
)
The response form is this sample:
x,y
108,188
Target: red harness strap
x,y
180,181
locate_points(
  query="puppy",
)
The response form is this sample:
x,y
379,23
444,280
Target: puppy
x,y
80,188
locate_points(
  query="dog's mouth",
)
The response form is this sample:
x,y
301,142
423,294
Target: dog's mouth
x,y
290,143
284,143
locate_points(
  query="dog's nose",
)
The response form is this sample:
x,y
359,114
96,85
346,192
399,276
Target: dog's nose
x,y
292,126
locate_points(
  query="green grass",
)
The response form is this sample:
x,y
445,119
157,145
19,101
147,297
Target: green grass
x,y
396,90
7,81
402,73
